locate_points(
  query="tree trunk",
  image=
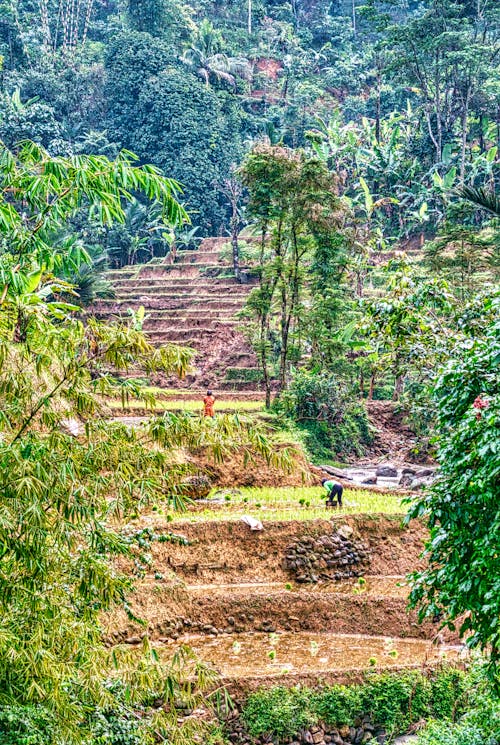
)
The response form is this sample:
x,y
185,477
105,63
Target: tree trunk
x,y
398,387
372,386
463,149
236,249
249,18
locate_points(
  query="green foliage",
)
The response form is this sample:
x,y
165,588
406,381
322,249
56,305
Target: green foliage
x,y
26,725
322,406
278,712
479,716
393,701
461,509
67,474
293,200
199,126
244,374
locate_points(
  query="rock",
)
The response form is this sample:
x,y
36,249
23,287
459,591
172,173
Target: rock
x,y
406,479
133,640
387,470
423,472
370,480
345,531
418,484
195,487
409,471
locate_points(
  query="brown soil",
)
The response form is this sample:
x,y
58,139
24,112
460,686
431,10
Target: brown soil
x,y
229,552
394,439
270,67
245,587
235,472
185,289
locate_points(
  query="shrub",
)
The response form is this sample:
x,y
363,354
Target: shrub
x,y
244,374
438,734
279,712
338,705
448,688
321,405
391,701
25,725
396,701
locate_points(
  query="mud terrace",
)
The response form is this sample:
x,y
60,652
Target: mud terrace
x,y
232,595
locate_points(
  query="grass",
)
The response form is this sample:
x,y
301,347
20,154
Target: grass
x,y
174,404
292,503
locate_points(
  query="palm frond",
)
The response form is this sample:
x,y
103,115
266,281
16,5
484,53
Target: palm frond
x,y
486,199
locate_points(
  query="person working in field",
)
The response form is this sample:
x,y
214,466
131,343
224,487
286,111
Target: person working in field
x,y
208,404
334,492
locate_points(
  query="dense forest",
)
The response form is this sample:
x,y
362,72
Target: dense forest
x,y
349,153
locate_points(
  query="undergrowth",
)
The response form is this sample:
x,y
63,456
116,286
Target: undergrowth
x,y
390,701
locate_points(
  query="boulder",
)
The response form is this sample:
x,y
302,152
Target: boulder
x,y
406,479
197,486
387,470
424,473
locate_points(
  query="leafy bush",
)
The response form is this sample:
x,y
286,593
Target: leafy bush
x,y
244,374
461,578
109,728
278,712
321,404
338,705
25,725
396,701
448,693
392,701
445,734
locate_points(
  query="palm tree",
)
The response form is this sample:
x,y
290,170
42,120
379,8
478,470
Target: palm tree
x,y
205,55
487,199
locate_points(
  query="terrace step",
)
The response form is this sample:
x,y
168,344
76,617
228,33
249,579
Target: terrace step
x,y
304,657
193,257
205,288
189,303
106,306
165,325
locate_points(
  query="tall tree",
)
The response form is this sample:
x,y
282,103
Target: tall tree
x,y
293,200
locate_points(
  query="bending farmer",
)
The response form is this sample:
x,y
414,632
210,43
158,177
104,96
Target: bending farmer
x,y
334,492
208,404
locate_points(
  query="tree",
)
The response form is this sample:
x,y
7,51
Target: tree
x,y
204,54
461,582
68,475
232,189
166,18
193,133
293,200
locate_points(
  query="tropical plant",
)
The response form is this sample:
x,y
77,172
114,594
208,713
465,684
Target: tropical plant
x,y
67,474
486,199
204,54
460,582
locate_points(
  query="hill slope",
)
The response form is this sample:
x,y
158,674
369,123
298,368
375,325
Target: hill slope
x,y
194,302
